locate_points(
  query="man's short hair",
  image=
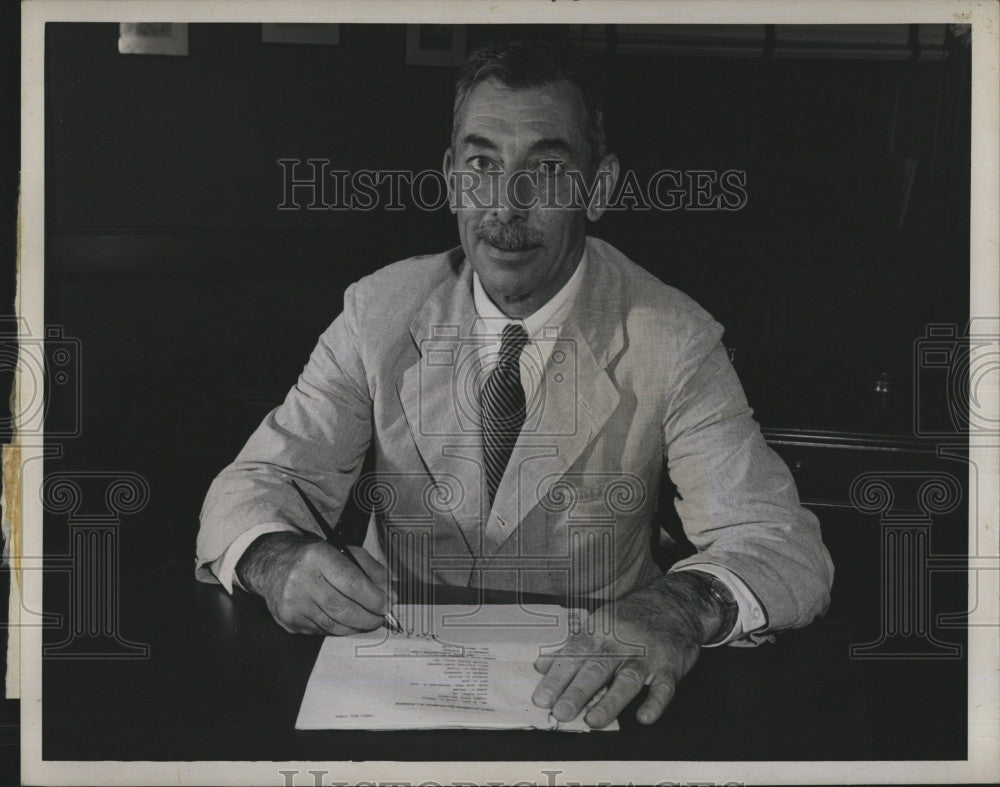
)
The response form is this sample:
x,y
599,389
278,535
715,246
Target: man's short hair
x,y
526,64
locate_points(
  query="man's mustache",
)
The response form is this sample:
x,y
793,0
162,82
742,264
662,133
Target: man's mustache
x,y
509,237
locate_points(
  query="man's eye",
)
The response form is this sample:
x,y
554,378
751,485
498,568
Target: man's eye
x,y
553,167
481,163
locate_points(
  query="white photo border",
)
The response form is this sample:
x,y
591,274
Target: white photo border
x,y
984,643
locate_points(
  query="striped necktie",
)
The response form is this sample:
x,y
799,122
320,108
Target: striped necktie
x,y
502,405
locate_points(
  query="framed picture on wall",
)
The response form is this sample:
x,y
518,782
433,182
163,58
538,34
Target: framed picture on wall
x,y
328,35
435,45
152,38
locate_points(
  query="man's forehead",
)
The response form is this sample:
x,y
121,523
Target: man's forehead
x,y
552,107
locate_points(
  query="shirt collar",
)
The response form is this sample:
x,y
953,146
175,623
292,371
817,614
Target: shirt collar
x,y
552,314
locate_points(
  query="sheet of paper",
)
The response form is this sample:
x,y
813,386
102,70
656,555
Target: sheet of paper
x,y
453,666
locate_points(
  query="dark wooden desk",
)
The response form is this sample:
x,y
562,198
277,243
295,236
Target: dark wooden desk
x,y
223,682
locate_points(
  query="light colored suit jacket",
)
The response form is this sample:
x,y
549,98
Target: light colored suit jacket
x,y
637,377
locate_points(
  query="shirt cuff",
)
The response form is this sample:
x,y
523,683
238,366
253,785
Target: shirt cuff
x,y
224,567
751,614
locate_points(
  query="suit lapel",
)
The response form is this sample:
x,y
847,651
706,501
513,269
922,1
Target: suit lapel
x,y
576,397
438,398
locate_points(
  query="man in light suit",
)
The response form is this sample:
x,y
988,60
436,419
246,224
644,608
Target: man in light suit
x,y
521,394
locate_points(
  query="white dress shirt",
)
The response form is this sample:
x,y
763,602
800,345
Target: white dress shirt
x,y
542,326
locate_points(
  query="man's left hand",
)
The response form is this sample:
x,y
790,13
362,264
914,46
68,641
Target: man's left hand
x,y
654,636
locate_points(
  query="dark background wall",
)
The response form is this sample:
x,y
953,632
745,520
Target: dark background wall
x,y
196,301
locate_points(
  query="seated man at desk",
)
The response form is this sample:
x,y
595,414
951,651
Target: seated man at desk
x,y
520,395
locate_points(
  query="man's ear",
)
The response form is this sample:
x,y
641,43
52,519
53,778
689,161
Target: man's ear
x,y
447,167
606,176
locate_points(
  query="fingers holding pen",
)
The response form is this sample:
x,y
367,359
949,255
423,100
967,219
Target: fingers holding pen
x,y
347,594
377,573
309,586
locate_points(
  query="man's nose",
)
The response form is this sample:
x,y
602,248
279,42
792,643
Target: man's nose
x,y
515,195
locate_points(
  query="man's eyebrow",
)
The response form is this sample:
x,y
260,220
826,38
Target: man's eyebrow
x,y
554,145
477,141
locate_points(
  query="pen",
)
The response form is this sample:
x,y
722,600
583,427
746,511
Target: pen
x,y
337,543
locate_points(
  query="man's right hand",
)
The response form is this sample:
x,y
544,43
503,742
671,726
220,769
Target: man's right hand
x,y
310,588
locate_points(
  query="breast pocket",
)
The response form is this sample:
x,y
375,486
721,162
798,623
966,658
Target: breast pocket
x,y
599,495
586,508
